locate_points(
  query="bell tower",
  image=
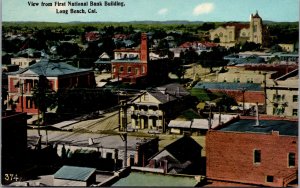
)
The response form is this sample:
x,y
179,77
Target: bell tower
x,y
256,29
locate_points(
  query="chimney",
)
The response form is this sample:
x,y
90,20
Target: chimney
x,y
144,48
91,142
257,116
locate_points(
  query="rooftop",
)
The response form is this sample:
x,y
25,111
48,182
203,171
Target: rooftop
x,y
49,68
228,86
74,173
266,126
155,179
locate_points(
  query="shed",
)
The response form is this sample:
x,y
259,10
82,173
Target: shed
x,y
74,176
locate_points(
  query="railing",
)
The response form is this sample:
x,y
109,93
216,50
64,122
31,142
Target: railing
x,y
289,178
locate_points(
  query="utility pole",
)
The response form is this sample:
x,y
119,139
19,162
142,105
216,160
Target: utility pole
x,y
123,136
265,90
243,91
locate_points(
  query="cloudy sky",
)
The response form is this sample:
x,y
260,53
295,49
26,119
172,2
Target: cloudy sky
x,y
157,10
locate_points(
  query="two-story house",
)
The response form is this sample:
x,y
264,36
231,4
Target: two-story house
x,y
153,109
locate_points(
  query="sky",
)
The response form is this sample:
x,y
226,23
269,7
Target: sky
x,y
155,10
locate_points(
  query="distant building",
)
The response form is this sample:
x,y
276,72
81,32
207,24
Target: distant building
x,y
134,65
282,95
75,176
103,63
232,33
60,75
23,62
245,153
249,93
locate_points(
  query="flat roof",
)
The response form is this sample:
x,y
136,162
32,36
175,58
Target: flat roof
x,y
82,139
266,126
155,179
74,173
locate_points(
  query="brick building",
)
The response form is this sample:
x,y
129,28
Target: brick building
x,y
249,93
243,153
60,75
134,66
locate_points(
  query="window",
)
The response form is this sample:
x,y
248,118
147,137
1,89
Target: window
x,y
295,98
129,69
143,69
137,71
270,179
29,102
114,69
121,69
221,34
257,156
295,112
108,155
291,159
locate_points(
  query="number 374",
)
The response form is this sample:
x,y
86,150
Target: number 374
x,y
10,177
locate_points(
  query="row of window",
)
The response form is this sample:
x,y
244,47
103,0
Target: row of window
x,y
257,160
280,111
129,70
282,98
291,158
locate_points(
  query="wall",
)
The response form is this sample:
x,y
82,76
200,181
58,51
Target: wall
x,y
64,182
230,157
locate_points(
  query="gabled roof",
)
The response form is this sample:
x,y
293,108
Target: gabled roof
x,y
184,149
48,68
169,92
74,173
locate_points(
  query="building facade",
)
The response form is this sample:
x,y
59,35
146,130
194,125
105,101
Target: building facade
x,y
134,65
245,154
59,76
154,109
282,95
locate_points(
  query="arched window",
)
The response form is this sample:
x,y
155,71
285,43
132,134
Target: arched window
x,y
221,34
129,69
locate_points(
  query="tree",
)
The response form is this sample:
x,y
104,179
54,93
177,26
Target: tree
x,y
44,97
213,58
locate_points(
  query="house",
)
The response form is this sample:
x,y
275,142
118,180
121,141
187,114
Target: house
x,y
232,33
153,109
132,65
60,75
179,157
282,95
74,176
103,63
253,153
